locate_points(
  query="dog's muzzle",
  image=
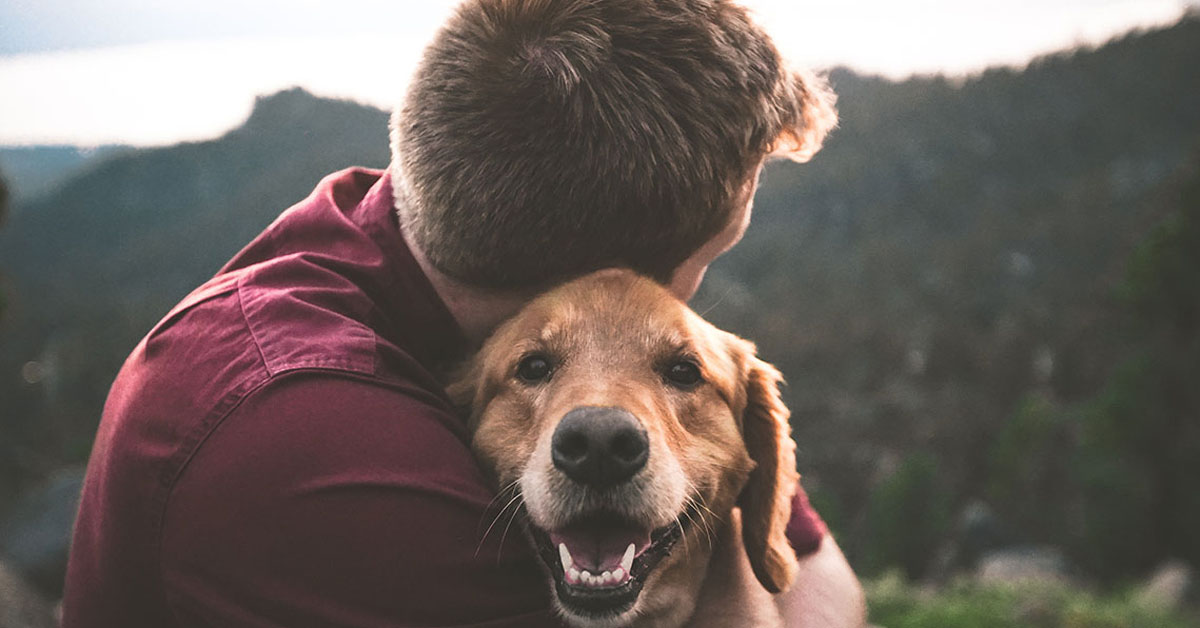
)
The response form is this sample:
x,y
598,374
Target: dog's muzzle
x,y
601,556
600,447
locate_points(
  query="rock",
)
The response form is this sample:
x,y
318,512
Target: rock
x,y
1169,588
977,532
20,606
1026,564
35,537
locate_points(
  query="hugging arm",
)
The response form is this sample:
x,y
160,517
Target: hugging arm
x,y
824,594
328,501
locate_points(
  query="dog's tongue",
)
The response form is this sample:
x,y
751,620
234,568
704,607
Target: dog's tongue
x,y
600,545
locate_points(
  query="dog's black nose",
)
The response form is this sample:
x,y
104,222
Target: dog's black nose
x,y
599,447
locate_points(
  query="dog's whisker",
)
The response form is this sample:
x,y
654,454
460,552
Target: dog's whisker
x,y
501,494
686,553
692,519
704,528
696,500
701,504
516,511
496,520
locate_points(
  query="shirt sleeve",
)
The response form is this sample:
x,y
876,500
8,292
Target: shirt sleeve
x,y
806,528
329,501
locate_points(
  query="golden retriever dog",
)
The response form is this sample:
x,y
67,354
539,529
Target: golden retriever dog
x,y
628,429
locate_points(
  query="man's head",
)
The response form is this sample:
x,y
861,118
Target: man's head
x,y
543,139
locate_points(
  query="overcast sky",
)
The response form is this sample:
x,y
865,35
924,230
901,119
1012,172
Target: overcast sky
x,y
153,72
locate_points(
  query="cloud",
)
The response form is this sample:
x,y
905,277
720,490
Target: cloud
x,y
161,93
53,25
201,64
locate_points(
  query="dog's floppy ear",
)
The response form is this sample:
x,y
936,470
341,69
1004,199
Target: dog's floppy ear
x,y
464,386
766,501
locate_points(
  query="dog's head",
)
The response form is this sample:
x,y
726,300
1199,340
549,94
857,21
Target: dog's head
x,y
629,426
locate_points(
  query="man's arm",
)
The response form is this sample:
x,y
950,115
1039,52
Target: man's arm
x,y
826,593
328,501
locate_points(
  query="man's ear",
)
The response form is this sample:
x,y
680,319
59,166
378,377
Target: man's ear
x,y
766,501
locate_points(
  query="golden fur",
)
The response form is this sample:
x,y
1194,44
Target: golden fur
x,y
723,443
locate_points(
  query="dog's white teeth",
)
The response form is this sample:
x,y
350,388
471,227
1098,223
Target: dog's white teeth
x,y
627,559
565,555
577,577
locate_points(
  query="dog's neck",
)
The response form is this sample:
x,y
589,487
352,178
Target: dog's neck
x,y
477,311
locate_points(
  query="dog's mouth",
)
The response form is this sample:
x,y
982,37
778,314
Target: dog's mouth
x,y
600,561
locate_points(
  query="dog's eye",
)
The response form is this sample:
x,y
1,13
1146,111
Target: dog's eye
x,y
684,374
533,369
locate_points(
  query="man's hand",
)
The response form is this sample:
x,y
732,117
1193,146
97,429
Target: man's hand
x,y
825,594
731,595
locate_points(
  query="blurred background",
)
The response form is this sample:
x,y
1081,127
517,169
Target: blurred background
x,y
984,292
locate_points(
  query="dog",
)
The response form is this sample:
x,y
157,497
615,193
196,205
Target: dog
x,y
630,430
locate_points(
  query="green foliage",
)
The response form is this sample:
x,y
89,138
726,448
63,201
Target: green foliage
x,y
908,515
895,604
1027,469
1112,477
1139,455
1116,484
1163,278
829,504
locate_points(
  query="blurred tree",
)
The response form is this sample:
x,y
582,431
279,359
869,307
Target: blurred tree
x,y
1140,443
1029,477
3,215
908,515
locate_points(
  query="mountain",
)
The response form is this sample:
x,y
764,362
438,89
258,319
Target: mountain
x,y
951,255
93,265
953,252
40,169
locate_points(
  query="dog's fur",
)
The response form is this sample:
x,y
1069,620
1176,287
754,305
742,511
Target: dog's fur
x,y
721,444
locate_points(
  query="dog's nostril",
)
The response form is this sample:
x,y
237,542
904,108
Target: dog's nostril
x,y
599,446
573,446
627,446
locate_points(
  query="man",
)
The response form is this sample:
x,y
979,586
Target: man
x,y
279,450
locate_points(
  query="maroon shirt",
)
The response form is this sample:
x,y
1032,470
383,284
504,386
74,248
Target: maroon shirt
x,y
277,451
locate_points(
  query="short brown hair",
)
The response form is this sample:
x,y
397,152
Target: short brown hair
x,y
543,139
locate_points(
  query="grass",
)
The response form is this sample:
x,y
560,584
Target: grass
x,y
895,603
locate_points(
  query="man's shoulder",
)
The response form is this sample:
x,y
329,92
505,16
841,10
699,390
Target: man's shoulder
x,y
245,340
342,419
249,325
302,315
346,495
280,331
